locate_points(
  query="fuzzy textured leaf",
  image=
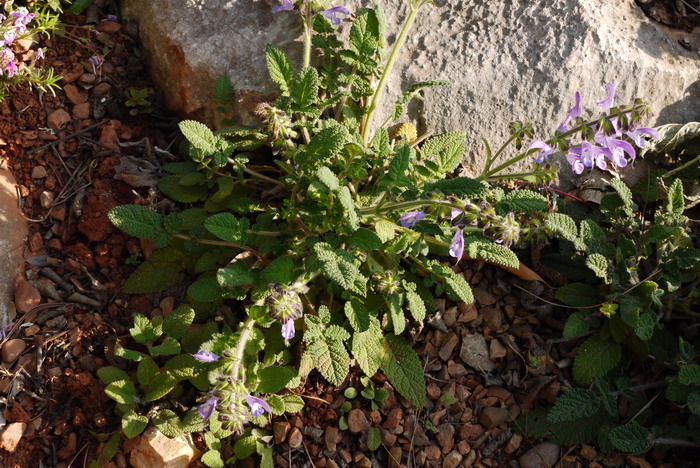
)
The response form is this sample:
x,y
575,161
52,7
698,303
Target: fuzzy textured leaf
x,y
304,89
689,375
133,424
139,221
368,348
446,150
578,295
212,458
631,438
357,315
331,359
564,226
274,378
374,438
364,239
522,201
168,423
175,325
279,67
280,270
111,374
575,404
404,370
199,135
228,228
459,186
121,391
595,358
146,371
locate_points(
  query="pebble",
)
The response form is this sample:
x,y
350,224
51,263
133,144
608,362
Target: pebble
x,y
636,462
456,369
395,457
483,297
11,435
357,421
467,312
452,459
32,330
475,353
434,391
12,349
101,89
388,438
541,455
295,438
450,343
73,94
432,452
588,452
513,443
331,438
450,316
280,431
46,199
393,418
493,416
57,119
26,296
497,350
39,172
82,111
445,436
155,450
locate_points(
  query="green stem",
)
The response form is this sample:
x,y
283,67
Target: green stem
x,y
488,173
400,206
680,168
307,36
243,338
374,101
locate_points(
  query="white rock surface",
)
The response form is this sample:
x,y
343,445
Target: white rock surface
x,y
508,60
13,229
155,450
11,435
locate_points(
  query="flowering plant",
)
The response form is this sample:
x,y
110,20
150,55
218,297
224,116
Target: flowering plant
x,y
19,60
342,244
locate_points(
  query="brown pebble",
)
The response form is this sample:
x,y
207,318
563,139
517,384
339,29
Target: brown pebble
x,y
357,421
295,438
82,111
73,94
57,119
280,431
12,349
32,330
493,416
26,296
39,172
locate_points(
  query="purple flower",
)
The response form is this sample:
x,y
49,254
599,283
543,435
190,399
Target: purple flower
x,y
574,158
205,356
96,60
457,245
636,136
39,54
11,68
410,219
257,405
592,155
454,213
9,37
545,150
574,112
286,5
288,329
608,102
331,13
617,149
113,18
207,408
22,16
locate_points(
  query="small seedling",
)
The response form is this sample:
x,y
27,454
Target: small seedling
x,y
376,396
137,99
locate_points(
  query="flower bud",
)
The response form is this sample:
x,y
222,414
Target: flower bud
x,y
285,304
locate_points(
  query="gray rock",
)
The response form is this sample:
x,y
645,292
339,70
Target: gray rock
x,y
13,230
541,455
475,353
508,61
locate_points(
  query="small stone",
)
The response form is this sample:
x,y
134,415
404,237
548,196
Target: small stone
x,y
39,172
395,455
452,459
155,450
87,77
357,421
493,416
393,418
82,111
26,296
109,26
513,443
456,369
445,436
414,432
388,438
450,316
32,330
280,431
636,462
434,391
451,341
483,297
541,455
471,431
46,199
11,435
295,438
57,119
497,350
463,447
73,94
331,438
588,452
467,312
492,317
475,353
101,89
432,452
36,242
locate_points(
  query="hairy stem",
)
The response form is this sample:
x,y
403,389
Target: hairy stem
x,y
400,206
240,347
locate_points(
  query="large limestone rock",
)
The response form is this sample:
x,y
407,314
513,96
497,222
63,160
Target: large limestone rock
x,y
514,60
13,230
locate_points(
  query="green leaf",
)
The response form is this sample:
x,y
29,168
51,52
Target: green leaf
x,y
625,194
337,268
404,370
276,404
171,187
575,404
292,403
129,354
144,330
223,91
396,315
631,438
279,67
345,200
169,346
274,378
212,458
111,374
413,91
147,371
139,221
77,7
374,438
280,270
228,228
386,230
364,33
364,239
162,385
689,375
494,253
446,150
133,424
200,136
598,265
578,295
694,402
564,226
357,315
162,270
121,391
206,289
645,326
182,366
167,422
595,358
368,348
522,201
328,178
304,89
233,275
414,301
399,163
577,324
176,324
459,186
676,201
324,146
